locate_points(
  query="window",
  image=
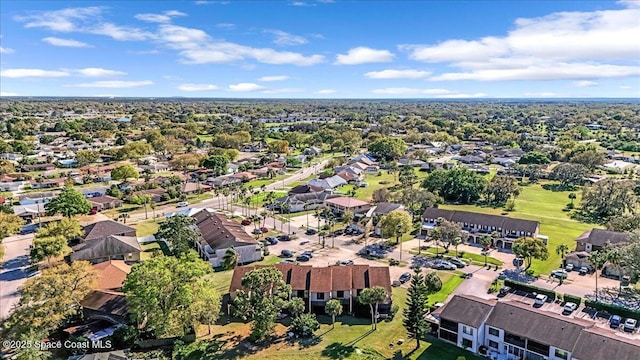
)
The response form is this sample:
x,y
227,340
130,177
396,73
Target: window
x,y
493,344
300,293
467,330
448,335
466,343
340,294
494,331
561,354
320,296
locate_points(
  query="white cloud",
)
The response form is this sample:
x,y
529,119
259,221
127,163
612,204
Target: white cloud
x,y
245,87
629,3
284,90
160,18
121,33
208,2
7,93
227,26
585,83
283,38
461,96
198,87
65,42
397,74
437,93
171,77
543,71
563,45
99,72
301,4
64,20
626,87
363,55
113,84
325,92
4,50
544,94
32,73
273,78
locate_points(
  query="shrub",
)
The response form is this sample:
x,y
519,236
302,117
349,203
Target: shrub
x,y
304,325
394,262
529,288
572,298
612,309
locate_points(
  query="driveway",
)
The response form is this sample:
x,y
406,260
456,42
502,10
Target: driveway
x,y
14,271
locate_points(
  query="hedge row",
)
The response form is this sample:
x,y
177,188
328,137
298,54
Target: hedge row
x,y
530,288
572,298
612,309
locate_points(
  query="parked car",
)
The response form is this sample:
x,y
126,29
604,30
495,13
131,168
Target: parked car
x,y
569,307
346,262
583,270
272,240
457,262
308,253
518,261
615,321
284,238
182,204
286,253
264,229
302,258
396,283
443,265
540,299
310,231
560,274
569,267
504,291
338,232
93,211
288,261
630,325
245,222
304,242
257,231
404,277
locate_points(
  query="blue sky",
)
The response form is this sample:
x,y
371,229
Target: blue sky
x,y
321,49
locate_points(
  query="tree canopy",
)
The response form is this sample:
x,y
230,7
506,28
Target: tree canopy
x,y
124,172
179,232
69,202
609,198
396,223
388,148
530,248
458,184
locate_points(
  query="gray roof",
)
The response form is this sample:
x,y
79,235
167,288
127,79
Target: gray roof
x,y
384,208
497,221
543,327
105,247
105,228
594,344
468,310
328,183
601,237
220,232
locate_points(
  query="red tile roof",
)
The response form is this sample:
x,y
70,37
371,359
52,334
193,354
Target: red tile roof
x,y
347,202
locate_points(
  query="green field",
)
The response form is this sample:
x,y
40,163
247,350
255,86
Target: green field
x,y
545,206
450,281
476,259
146,228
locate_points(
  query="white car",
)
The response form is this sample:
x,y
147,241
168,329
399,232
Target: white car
x,y
630,325
182,204
570,307
540,299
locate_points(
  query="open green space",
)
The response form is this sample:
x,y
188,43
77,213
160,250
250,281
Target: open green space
x,y
146,228
375,181
450,281
476,259
148,249
539,204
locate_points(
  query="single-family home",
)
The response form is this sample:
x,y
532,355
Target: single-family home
x,y
111,247
111,274
380,210
329,183
597,239
101,229
100,203
105,305
218,233
305,201
192,188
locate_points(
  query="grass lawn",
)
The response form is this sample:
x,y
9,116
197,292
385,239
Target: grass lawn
x,y
259,182
149,248
450,281
545,206
351,338
199,197
146,228
374,182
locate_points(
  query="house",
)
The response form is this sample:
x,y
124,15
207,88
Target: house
x,y
410,162
218,233
111,274
312,151
476,225
597,239
105,202
105,228
330,183
95,191
38,167
381,210
111,247
29,212
340,204
578,259
303,189
317,285
301,202
223,181
105,305
192,188
157,195
8,183
244,176
37,198
514,330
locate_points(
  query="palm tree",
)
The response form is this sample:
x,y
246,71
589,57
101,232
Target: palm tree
x,y
263,216
286,207
153,206
485,241
562,249
333,308
230,258
597,259
616,258
572,196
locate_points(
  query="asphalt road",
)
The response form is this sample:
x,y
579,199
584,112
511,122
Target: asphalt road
x,y
14,271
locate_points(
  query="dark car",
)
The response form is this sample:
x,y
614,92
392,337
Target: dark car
x,y
272,240
284,238
264,229
257,231
404,277
286,253
457,262
302,258
246,222
615,321
504,291
308,253
338,232
310,232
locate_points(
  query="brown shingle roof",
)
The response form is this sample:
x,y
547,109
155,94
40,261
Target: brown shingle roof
x,y
105,247
105,228
467,309
300,277
111,274
595,344
379,276
341,278
103,199
601,237
320,279
498,221
543,327
110,302
220,232
360,276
